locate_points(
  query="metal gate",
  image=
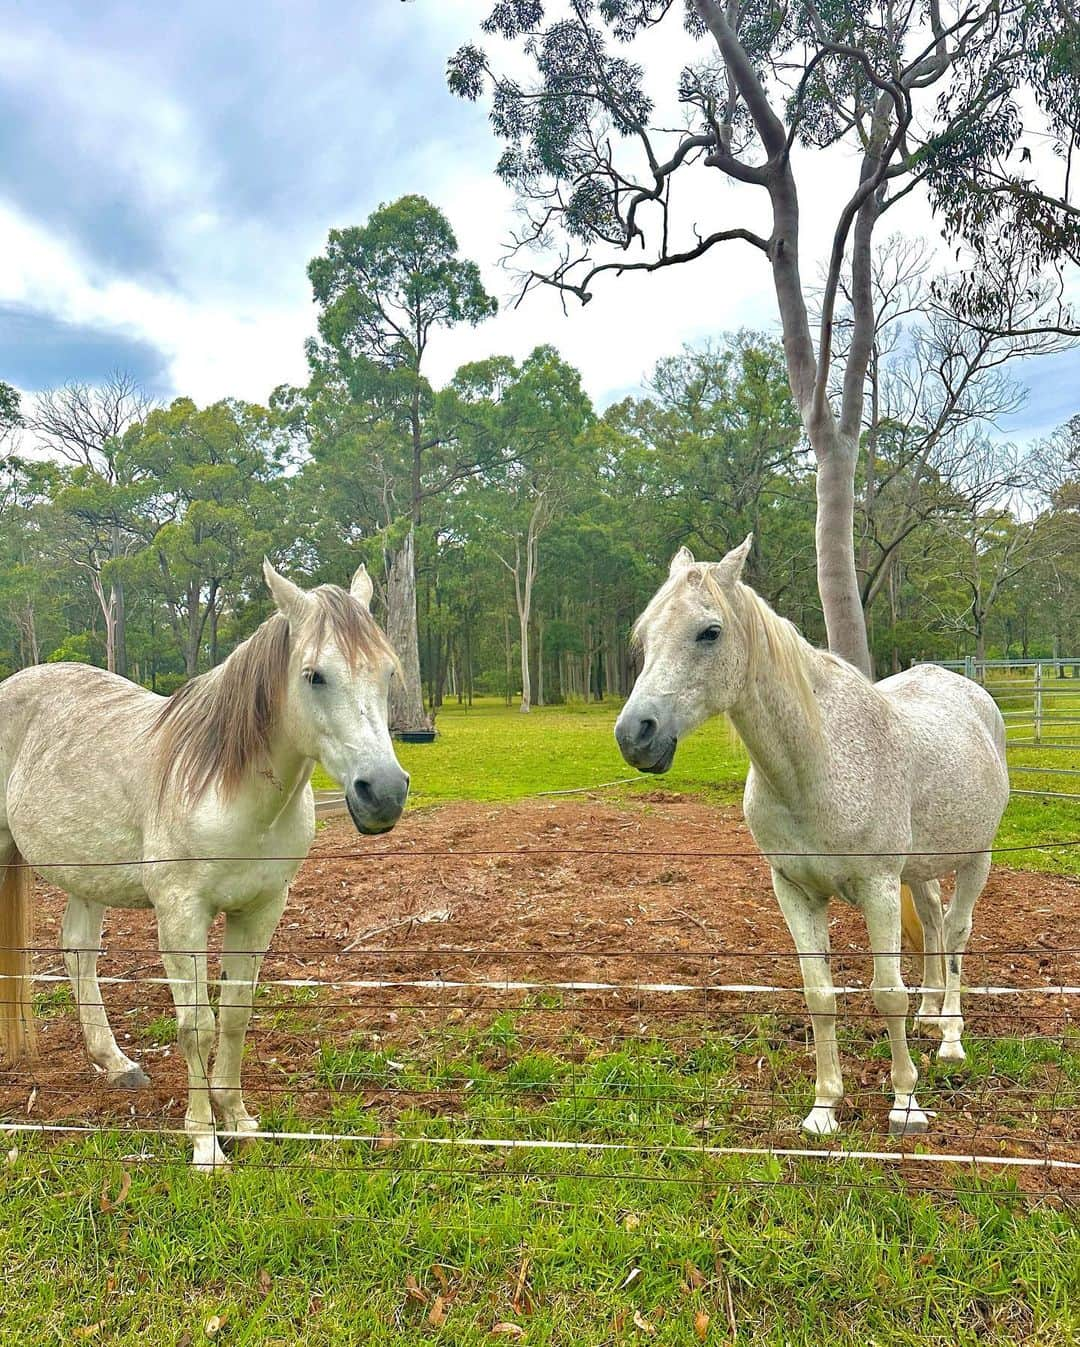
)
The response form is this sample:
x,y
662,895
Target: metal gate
x,y
1040,704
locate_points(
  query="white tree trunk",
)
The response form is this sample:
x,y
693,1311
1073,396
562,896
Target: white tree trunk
x,y
406,696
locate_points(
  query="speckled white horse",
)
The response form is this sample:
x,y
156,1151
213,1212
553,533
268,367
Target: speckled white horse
x,y
96,771
853,787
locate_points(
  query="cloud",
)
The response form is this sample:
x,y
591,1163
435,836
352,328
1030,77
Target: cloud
x,y
169,171
38,350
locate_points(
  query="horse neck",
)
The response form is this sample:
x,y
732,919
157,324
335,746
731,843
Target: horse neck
x,y
784,741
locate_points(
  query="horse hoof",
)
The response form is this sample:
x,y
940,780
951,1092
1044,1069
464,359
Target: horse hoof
x,y
951,1051
821,1122
134,1078
243,1127
205,1161
907,1122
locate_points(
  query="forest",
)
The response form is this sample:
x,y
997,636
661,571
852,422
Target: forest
x,y
513,528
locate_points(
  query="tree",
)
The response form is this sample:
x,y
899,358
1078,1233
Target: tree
x,y
937,378
925,97
211,508
83,427
384,287
536,415
10,416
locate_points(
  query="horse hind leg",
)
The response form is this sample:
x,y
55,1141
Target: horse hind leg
x,y
81,936
880,901
926,895
970,880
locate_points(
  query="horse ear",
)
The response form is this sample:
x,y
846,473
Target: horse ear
x,y
290,598
681,561
729,570
361,587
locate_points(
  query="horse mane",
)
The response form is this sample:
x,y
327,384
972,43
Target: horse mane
x,y
216,727
767,635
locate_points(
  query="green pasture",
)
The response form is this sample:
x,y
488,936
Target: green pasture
x,y
493,752
109,1239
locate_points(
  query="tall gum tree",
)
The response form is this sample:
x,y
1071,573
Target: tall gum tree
x,y
926,96
384,288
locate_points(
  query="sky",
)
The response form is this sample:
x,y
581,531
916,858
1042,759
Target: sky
x,y
166,173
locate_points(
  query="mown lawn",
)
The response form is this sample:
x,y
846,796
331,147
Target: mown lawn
x,y
492,752
389,1244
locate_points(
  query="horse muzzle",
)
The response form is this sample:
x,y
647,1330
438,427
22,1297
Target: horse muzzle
x,y
644,743
375,802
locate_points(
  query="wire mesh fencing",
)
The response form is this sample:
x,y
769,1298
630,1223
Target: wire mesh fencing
x,y
667,1052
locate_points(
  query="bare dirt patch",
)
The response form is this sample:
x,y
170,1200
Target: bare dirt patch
x,y
604,893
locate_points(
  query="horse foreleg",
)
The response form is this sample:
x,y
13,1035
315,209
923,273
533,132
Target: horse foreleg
x,y
183,933
970,879
927,897
81,936
247,934
808,921
880,902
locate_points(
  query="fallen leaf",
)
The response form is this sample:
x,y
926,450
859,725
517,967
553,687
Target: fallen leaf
x,y
631,1276
184,1340
214,1325
437,1314
264,1281
414,1290
701,1325
12,1155
507,1330
631,1221
694,1275
641,1322
439,1274
111,1203
110,1285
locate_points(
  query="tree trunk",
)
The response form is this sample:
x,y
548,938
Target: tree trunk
x,y
540,661
838,582
407,695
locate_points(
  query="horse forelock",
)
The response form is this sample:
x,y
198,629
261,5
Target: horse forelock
x,y
217,727
766,634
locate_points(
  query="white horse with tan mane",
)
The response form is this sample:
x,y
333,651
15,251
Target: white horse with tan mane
x,y
854,787
96,772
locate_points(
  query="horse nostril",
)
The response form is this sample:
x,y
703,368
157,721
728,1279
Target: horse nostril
x,y
646,731
363,790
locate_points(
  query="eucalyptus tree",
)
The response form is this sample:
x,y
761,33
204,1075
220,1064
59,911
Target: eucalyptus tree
x,y
10,414
384,288
536,414
81,426
921,97
211,510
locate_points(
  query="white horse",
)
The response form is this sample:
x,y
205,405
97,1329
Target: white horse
x,y
95,772
853,787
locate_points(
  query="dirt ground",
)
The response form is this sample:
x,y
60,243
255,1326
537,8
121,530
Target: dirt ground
x,y
397,907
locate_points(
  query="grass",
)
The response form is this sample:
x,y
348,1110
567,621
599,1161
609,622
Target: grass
x,y
400,1245
492,752
420,1243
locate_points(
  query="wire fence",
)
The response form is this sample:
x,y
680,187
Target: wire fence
x,y
676,1052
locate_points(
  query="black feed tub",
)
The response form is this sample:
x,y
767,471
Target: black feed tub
x,y
415,736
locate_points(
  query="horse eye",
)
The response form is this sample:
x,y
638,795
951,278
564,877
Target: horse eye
x,y
709,634
314,677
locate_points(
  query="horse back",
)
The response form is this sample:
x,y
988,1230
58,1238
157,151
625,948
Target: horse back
x,y
75,767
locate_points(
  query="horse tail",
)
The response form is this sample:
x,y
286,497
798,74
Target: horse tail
x,y
17,1038
910,924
